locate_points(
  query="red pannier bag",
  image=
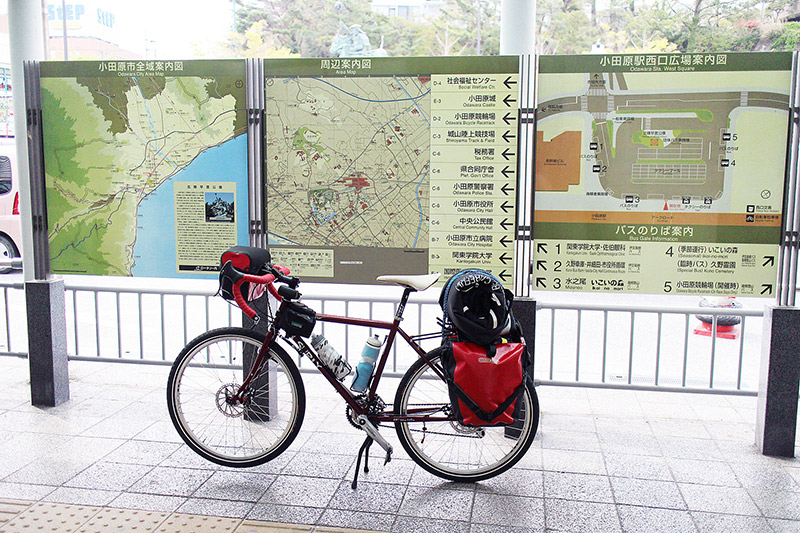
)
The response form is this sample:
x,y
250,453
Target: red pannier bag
x,y
484,390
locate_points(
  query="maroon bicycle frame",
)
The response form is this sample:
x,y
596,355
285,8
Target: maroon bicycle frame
x,y
393,329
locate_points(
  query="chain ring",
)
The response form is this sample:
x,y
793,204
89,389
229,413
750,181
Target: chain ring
x,y
374,407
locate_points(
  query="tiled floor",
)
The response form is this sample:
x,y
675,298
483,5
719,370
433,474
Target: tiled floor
x,y
602,461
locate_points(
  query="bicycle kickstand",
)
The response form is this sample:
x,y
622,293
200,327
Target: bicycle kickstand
x,y
364,450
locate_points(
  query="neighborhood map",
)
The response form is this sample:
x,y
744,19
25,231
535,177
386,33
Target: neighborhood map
x,y
347,161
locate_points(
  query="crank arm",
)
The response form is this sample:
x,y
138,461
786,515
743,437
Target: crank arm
x,y
372,431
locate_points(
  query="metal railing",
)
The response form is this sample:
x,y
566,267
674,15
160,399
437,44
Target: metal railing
x,y
601,345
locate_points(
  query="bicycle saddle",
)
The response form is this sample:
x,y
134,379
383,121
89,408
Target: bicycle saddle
x,y
418,282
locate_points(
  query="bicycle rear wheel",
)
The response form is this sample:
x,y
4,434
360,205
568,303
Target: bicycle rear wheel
x,y
448,449
204,377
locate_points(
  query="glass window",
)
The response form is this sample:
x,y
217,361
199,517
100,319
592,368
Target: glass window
x,y
5,174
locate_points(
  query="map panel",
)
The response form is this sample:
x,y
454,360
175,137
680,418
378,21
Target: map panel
x,y
116,137
662,150
391,165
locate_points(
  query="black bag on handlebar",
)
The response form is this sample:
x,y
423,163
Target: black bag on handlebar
x,y
247,259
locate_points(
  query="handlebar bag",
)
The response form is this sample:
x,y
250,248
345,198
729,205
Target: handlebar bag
x,y
484,390
247,259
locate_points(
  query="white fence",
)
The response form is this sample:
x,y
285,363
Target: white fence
x,y
588,344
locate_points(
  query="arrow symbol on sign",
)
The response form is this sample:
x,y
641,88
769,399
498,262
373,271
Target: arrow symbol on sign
x,y
541,264
503,258
505,188
503,275
508,100
506,171
540,283
507,153
508,118
769,260
505,206
541,247
505,241
508,83
507,135
767,288
505,224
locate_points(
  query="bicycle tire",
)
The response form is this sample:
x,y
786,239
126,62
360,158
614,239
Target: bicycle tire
x,y
450,450
208,369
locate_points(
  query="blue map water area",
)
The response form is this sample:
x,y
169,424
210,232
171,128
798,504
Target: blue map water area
x,y
154,251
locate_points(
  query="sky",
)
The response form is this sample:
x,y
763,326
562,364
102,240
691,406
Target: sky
x,y
176,28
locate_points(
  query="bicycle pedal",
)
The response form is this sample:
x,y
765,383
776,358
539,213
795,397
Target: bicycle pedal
x,y
388,457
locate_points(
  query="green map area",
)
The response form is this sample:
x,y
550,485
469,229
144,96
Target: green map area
x,y
112,138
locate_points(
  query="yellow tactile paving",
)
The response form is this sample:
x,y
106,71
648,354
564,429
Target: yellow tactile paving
x,y
177,523
9,509
51,517
124,520
18,516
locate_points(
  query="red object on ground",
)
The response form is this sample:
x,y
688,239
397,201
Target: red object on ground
x,y
723,332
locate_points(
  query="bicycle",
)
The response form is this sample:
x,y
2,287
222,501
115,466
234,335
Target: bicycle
x,y
237,399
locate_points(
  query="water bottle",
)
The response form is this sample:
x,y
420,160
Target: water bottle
x,y
330,357
364,369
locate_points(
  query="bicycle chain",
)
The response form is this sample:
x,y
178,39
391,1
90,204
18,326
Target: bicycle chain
x,y
373,410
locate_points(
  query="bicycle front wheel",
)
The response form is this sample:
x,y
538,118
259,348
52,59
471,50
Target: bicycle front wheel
x,y
448,449
201,391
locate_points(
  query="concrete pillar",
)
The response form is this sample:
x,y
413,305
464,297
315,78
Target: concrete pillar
x,y
26,37
524,310
47,342
776,415
517,27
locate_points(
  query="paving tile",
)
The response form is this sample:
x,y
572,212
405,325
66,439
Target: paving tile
x,y
413,524
708,498
436,503
142,452
78,496
571,461
569,440
422,478
503,510
171,481
647,493
25,491
235,485
322,465
784,526
48,471
283,513
726,523
147,502
377,497
184,457
357,520
109,476
209,507
580,517
776,504
703,472
516,482
567,423
487,528
9,509
582,487
654,520
397,471
688,448
630,443
257,526
679,428
732,431
638,466
295,490
334,443
770,476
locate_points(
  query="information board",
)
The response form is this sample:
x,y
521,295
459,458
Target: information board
x,y
391,165
145,165
660,173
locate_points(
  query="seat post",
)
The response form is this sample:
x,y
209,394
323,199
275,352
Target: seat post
x,y
398,316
